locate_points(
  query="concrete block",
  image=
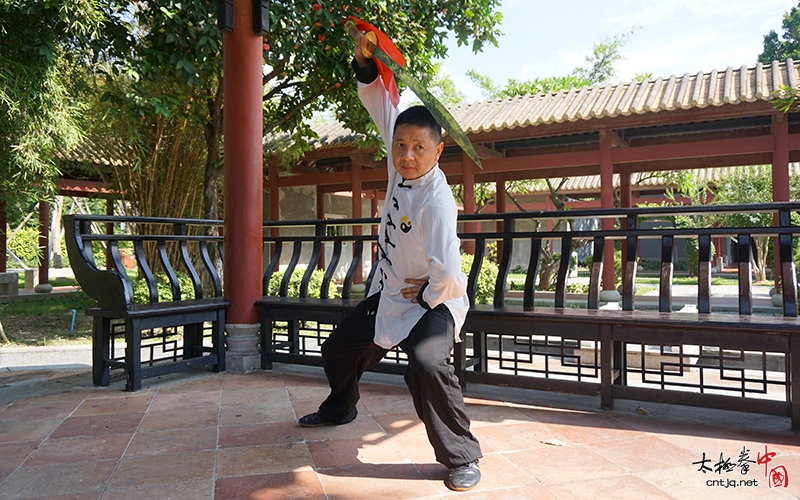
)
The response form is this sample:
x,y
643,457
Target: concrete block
x,y
9,284
31,277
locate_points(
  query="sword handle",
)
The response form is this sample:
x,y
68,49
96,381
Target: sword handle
x,y
369,42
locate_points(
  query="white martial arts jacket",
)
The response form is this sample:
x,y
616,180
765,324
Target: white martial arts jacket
x,y
417,238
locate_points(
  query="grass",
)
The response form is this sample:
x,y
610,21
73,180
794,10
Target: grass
x,y
646,280
63,281
685,280
47,322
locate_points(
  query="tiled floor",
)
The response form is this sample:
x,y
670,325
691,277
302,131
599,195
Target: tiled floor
x,y
231,436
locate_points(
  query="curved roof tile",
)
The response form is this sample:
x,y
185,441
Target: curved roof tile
x,y
715,88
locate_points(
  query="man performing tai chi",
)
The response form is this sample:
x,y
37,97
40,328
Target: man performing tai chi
x,y
418,299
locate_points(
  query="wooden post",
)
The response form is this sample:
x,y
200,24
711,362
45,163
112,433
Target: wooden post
x,y
607,201
274,203
321,216
109,230
500,206
780,179
44,242
625,196
355,177
468,179
373,206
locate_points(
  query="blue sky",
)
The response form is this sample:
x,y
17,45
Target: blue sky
x,y
545,38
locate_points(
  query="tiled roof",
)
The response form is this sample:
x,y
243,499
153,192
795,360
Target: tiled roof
x,y
700,90
105,152
717,88
329,135
639,180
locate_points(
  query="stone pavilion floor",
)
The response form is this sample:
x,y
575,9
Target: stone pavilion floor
x,y
202,435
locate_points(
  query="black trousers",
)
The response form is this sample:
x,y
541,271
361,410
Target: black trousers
x,y
350,350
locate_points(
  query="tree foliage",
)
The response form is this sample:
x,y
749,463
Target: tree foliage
x,y
170,64
781,47
752,185
43,48
598,68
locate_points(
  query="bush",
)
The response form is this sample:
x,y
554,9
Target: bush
x,y
141,293
314,283
693,255
797,270
25,245
588,261
519,270
573,261
650,265
484,291
578,288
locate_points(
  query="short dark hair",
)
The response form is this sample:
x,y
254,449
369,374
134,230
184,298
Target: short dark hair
x,y
419,116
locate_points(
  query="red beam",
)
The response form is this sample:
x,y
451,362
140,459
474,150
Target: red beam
x,y
723,147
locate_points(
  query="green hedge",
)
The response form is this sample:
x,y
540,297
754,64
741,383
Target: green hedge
x,y
25,245
141,293
314,283
484,291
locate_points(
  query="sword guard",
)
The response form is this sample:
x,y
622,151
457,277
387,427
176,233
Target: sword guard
x,y
369,40
368,44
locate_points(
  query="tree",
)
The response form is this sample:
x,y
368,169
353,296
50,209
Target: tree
x,y
44,45
752,185
780,48
444,88
599,68
171,63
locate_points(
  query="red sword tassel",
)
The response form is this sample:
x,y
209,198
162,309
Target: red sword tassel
x,y
386,45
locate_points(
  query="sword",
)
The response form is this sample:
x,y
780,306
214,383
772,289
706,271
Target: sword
x,y
370,48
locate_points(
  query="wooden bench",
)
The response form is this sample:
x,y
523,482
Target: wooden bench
x,y
737,361
158,324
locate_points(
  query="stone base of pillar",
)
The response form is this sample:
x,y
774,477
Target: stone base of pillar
x,y
609,296
43,288
242,355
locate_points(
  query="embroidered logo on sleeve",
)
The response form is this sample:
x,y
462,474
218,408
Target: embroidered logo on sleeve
x,y
405,224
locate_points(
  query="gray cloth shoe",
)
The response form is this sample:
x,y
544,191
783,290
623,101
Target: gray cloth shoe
x,y
464,477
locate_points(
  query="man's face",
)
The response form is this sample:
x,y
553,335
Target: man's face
x,y
414,151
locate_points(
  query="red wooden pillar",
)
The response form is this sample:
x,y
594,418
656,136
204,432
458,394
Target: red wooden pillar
x,y
780,179
468,179
243,124
355,177
607,201
3,236
44,242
